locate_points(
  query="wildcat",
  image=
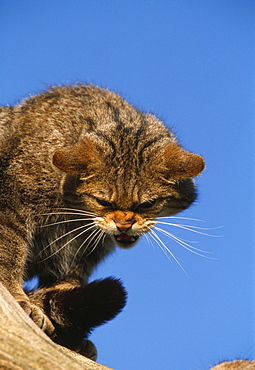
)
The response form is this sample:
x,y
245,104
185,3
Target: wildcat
x,y
81,171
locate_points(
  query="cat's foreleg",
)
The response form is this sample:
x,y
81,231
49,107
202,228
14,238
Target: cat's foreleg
x,y
13,251
76,310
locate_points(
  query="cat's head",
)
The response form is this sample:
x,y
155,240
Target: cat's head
x,y
127,188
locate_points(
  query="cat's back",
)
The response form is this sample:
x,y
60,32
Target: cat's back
x,y
64,112
63,115
41,123
32,130
5,128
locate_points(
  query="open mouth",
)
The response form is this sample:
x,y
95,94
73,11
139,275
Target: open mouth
x,y
125,239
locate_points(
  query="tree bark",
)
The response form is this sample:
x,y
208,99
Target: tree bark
x,y
23,346
236,365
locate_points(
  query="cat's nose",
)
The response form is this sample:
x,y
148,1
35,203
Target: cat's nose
x,y
123,226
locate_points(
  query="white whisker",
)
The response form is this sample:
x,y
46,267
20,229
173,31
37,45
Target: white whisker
x,y
180,218
165,249
63,246
92,225
96,232
94,236
68,211
185,245
98,237
77,210
66,221
148,240
191,228
167,233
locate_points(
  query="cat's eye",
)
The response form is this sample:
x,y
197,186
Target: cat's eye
x,y
148,205
103,202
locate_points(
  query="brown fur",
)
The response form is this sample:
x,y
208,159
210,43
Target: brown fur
x,y
81,171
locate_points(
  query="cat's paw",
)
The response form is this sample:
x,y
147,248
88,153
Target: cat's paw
x,y
39,318
88,349
76,310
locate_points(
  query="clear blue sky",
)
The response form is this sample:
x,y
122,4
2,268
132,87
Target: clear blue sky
x,y
191,62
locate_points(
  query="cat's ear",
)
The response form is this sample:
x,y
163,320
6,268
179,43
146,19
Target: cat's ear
x,y
78,158
182,164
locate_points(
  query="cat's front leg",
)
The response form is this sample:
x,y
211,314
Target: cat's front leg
x,y
75,310
31,309
13,252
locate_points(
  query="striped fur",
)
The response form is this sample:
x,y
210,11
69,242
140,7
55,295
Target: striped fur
x,y
81,171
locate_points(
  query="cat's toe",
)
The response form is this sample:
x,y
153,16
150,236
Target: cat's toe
x,y
88,349
39,318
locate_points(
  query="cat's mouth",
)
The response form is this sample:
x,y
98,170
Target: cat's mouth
x,y
125,240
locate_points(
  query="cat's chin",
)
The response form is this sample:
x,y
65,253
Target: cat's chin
x,y
124,240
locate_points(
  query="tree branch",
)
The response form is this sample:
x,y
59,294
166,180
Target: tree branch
x,y
235,365
23,346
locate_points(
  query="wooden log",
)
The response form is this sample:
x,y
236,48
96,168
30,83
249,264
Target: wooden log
x,y
235,365
23,346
